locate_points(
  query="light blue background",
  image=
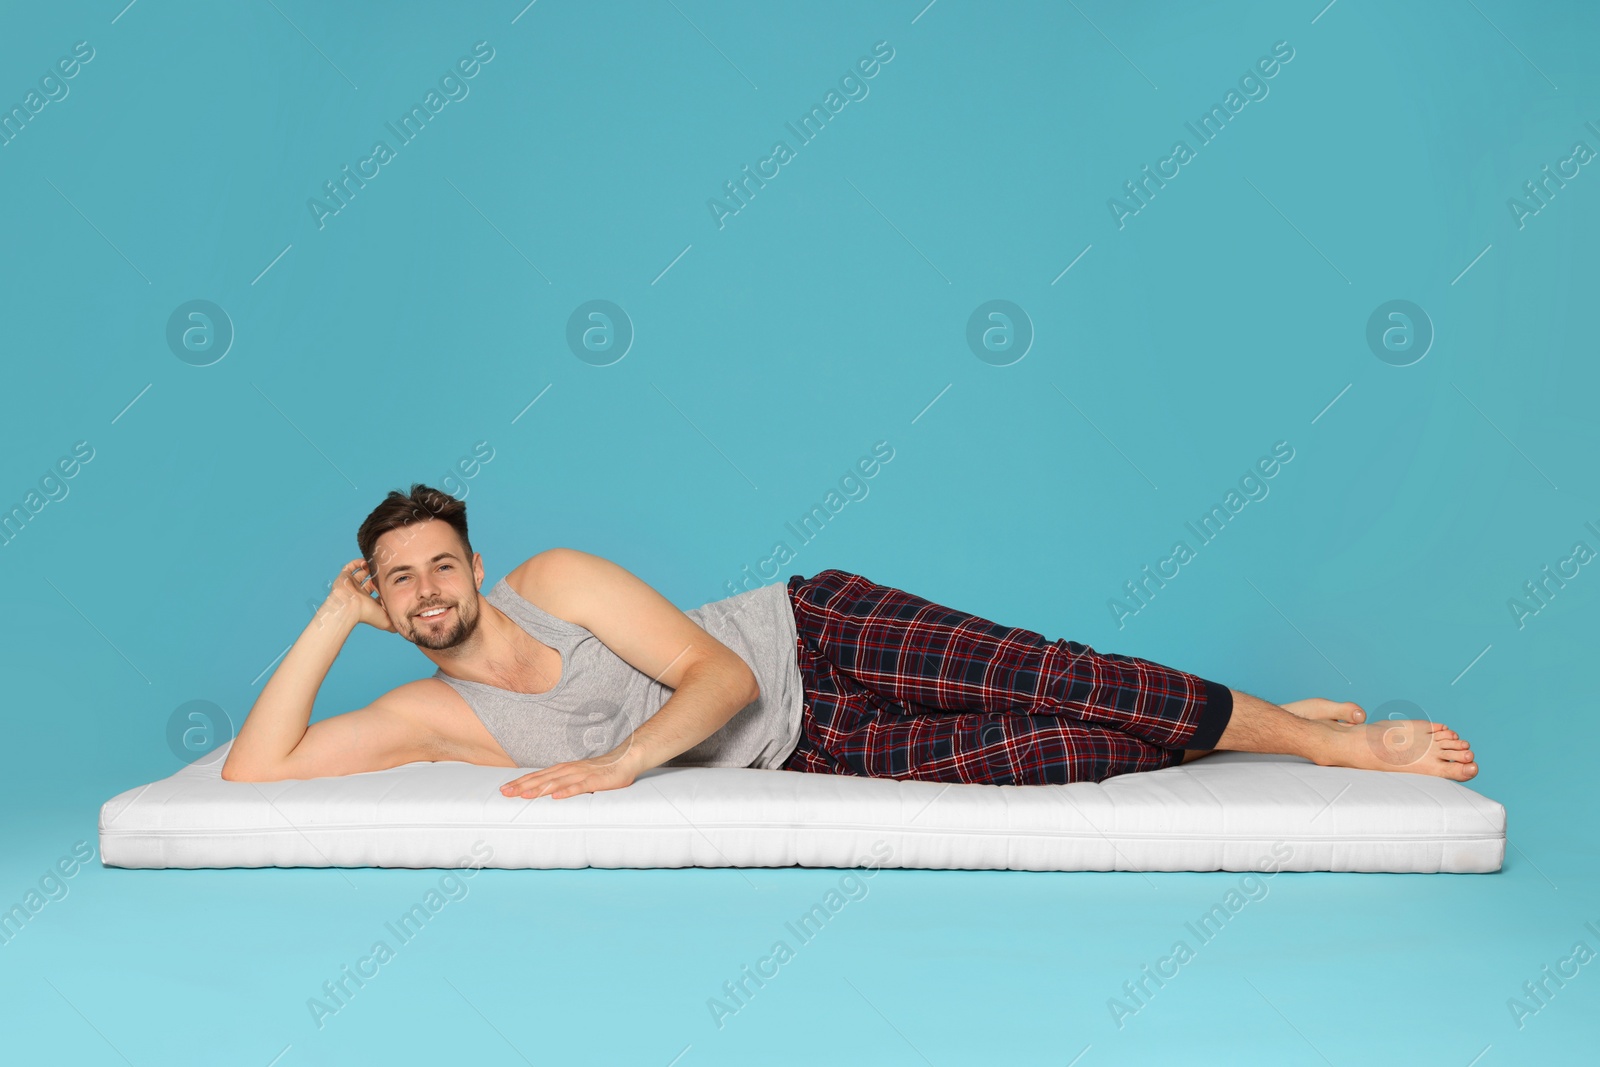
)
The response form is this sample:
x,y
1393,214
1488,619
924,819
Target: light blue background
x,y
828,314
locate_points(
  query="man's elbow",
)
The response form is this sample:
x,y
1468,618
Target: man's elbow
x,y
240,772
732,675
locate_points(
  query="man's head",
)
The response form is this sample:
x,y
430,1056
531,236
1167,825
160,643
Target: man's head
x,y
416,548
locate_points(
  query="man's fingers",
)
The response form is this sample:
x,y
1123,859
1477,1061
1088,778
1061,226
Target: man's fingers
x,y
551,787
527,779
550,773
557,781
524,784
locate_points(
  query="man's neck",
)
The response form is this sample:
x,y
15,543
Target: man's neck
x,y
495,654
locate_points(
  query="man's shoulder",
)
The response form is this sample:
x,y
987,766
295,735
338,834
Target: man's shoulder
x,y
415,698
546,580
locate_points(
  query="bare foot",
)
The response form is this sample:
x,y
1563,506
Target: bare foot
x,y
1331,710
1416,746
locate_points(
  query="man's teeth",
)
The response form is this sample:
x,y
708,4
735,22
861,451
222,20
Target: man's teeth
x,y
433,612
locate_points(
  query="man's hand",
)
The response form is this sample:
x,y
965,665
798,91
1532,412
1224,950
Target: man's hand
x,y
352,592
610,771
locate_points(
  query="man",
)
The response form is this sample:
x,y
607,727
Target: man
x,y
576,667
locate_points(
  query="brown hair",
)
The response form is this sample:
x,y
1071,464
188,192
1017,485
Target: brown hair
x,y
401,509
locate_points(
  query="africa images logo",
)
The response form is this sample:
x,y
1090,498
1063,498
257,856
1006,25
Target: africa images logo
x,y
453,85
1253,86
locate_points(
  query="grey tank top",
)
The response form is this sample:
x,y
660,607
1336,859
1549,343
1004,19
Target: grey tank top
x,y
600,698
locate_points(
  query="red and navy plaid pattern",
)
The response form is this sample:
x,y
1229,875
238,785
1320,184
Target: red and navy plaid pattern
x,y
899,687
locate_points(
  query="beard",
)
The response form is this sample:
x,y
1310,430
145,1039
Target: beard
x,y
463,623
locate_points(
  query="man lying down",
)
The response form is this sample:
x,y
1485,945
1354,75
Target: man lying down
x,y
575,667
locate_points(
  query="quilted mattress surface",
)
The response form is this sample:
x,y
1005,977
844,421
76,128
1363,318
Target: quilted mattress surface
x,y
1231,811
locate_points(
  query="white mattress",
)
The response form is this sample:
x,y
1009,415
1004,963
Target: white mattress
x,y
1232,811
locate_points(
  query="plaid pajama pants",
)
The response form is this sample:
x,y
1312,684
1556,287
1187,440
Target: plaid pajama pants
x,y
896,686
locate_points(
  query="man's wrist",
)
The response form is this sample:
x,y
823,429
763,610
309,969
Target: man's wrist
x,y
335,614
632,756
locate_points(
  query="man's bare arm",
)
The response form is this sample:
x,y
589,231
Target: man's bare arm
x,y
712,693
708,695
710,682
266,745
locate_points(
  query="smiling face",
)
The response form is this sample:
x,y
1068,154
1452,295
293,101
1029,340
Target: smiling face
x,y
420,570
